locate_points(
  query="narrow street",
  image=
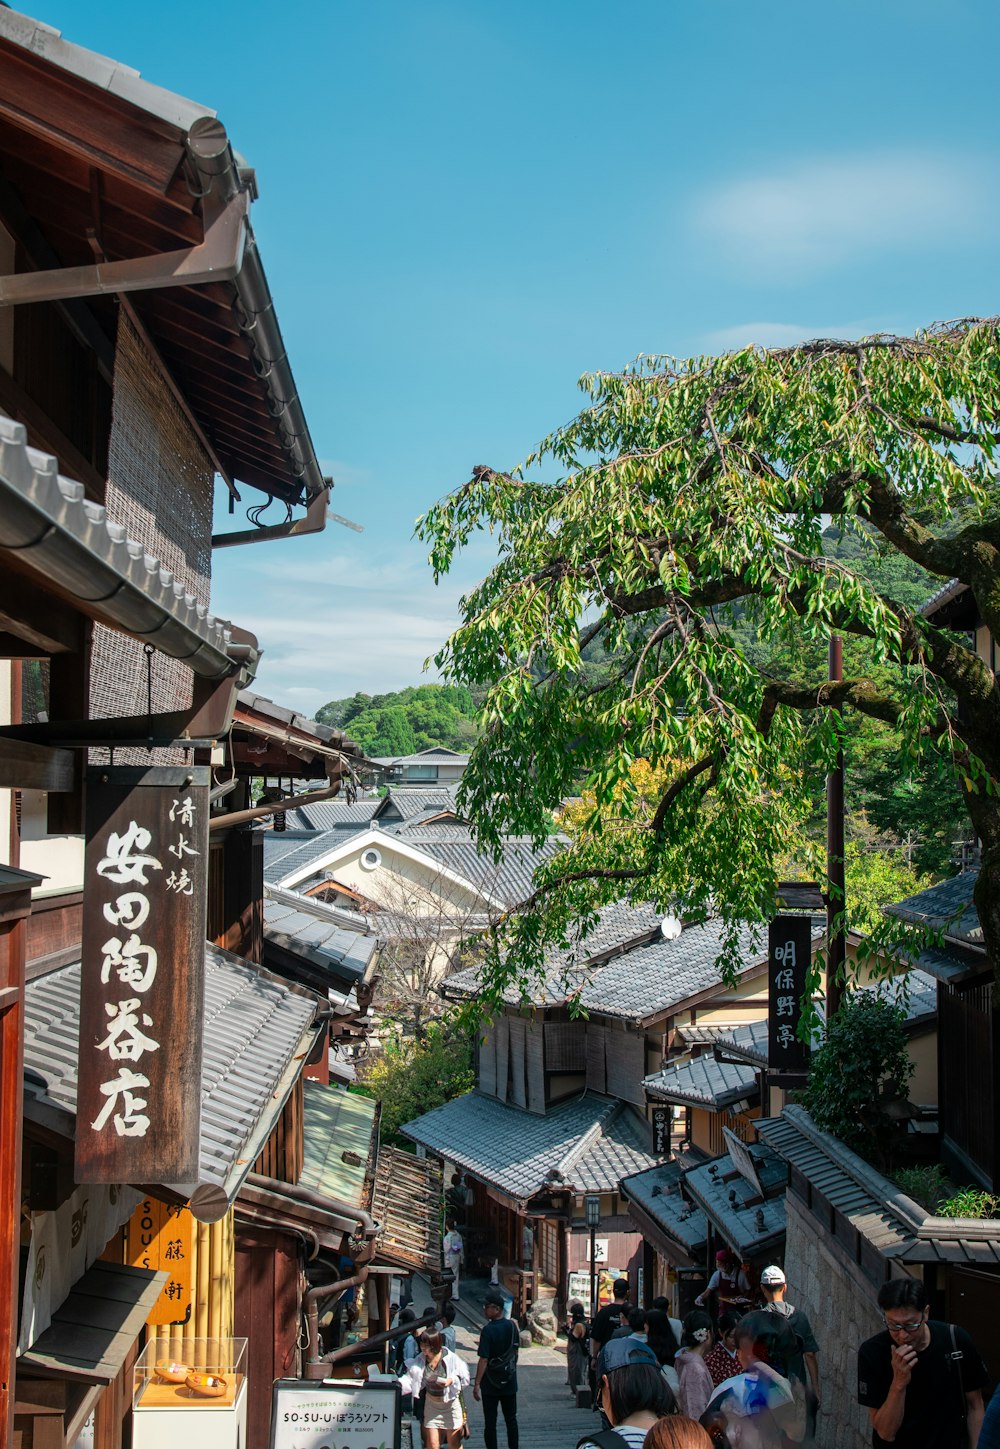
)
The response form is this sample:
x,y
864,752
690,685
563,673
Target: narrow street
x,y
546,1412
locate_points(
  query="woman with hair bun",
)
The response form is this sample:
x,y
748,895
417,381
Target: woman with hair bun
x,y
693,1376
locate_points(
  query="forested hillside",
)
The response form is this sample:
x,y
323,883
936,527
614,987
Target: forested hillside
x,y
405,720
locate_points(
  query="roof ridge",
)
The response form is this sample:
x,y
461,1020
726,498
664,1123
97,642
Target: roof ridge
x,y
588,1138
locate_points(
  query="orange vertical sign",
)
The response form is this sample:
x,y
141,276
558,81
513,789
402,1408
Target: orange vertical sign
x,y
161,1237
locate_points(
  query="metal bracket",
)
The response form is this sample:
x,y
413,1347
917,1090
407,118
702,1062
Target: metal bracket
x,y
216,259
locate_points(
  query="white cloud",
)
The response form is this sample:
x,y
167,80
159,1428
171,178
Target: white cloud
x,y
780,334
828,211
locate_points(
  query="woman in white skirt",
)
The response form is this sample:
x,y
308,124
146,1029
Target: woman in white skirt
x,y
442,1376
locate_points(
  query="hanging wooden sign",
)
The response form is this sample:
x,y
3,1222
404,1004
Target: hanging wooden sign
x,y
142,978
789,949
662,1119
160,1236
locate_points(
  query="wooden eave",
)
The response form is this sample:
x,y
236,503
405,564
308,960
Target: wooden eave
x,y
81,160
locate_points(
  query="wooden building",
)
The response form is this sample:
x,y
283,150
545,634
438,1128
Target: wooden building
x,y
568,1092
140,361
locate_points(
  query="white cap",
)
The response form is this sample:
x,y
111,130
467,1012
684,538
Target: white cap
x,y
772,1277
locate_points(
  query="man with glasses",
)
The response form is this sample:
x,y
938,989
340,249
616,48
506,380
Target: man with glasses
x,y
921,1381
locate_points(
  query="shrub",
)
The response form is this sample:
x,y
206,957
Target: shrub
x,y
971,1202
860,1067
926,1185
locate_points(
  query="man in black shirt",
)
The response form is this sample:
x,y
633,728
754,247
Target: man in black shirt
x,y
611,1317
496,1371
921,1381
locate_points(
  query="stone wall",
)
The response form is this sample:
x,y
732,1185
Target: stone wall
x,y
840,1303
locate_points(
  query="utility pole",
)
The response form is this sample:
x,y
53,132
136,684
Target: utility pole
x,y
836,896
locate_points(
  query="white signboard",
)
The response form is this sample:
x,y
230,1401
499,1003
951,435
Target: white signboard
x,y
600,1250
335,1414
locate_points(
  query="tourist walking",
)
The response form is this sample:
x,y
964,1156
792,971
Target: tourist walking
x,y
773,1286
496,1371
760,1407
633,1395
454,1255
439,1375
721,1360
920,1380
660,1337
577,1355
694,1379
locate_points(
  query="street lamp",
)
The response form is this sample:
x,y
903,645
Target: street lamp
x,y
592,1209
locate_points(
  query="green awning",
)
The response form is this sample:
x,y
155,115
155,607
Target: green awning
x,y
338,1128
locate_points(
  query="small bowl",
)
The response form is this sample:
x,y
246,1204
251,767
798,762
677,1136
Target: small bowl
x,y
207,1386
172,1372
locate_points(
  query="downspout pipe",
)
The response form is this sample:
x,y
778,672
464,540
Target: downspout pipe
x,y
315,1367
440,1291
250,1213
355,1219
276,807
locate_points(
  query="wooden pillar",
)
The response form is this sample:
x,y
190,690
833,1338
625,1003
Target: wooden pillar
x,y
15,903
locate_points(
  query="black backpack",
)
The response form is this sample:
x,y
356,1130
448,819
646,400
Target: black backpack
x,y
501,1368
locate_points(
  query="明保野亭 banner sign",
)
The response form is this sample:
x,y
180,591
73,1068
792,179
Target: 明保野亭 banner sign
x,y
138,1115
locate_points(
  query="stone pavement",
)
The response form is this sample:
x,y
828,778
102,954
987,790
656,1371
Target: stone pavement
x,y
547,1415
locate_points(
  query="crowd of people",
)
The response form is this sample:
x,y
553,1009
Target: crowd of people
x,y
734,1374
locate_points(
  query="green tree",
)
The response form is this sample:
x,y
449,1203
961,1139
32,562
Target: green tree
x,y
858,1073
434,714
690,504
412,1077
383,732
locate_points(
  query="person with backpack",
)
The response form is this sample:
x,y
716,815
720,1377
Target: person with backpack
x,y
921,1381
773,1286
633,1395
496,1371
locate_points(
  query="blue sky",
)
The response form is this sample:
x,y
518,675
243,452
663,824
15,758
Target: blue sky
x,y
464,206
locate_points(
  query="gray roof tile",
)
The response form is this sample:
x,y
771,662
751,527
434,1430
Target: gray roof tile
x,y
703,1082
331,937
748,1226
947,906
647,981
254,1027
658,1192
590,1141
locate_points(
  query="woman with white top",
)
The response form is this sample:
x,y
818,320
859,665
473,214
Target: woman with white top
x,y
441,1375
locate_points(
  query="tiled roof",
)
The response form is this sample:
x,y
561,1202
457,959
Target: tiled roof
x,y
336,1122
510,881
305,848
657,1191
301,923
948,907
953,589
586,1144
915,991
256,1029
703,1082
333,814
746,1224
895,1225
407,804
647,981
